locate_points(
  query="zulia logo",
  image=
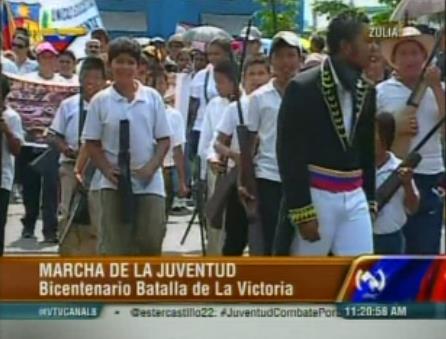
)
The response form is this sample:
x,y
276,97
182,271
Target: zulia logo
x,y
373,283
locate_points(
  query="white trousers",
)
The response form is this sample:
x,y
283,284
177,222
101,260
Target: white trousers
x,y
345,225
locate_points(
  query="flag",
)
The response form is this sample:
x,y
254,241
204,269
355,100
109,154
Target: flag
x,y
27,16
8,26
60,43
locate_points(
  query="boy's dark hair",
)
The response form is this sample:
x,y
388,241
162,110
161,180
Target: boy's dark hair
x,y
385,124
256,60
100,32
124,45
344,27
318,41
21,31
159,72
92,64
69,54
225,45
185,51
227,68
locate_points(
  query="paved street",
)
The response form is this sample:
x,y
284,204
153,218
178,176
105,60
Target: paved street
x,y
175,230
171,247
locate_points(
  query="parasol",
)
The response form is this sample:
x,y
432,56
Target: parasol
x,y
417,8
205,34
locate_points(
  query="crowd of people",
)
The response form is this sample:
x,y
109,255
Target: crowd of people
x,y
323,123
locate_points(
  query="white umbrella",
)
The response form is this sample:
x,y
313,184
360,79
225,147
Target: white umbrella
x,y
417,8
205,34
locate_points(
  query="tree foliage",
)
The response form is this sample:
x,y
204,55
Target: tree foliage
x,y
285,17
332,8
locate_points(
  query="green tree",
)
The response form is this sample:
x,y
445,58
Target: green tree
x,y
277,15
330,8
384,16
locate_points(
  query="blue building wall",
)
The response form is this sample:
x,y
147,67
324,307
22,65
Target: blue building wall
x,y
163,15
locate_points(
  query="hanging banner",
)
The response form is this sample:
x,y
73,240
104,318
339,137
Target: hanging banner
x,y
37,104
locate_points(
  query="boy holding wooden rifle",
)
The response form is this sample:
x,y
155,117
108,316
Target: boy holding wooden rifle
x,y
128,102
67,129
388,237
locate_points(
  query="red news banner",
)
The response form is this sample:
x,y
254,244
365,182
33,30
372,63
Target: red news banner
x,y
158,279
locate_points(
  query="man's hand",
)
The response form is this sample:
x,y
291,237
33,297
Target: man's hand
x,y
79,177
309,231
217,166
112,174
70,153
145,173
408,124
406,175
183,191
432,77
244,194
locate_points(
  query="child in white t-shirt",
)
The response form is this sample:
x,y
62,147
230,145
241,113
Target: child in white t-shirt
x,y
388,236
256,73
149,140
225,74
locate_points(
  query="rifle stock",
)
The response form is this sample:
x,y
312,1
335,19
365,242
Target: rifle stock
x,y
388,189
127,205
216,204
79,209
401,145
247,180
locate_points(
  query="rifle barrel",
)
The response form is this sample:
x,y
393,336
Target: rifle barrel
x,y
412,99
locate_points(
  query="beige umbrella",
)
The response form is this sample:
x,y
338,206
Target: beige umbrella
x,y
417,8
205,34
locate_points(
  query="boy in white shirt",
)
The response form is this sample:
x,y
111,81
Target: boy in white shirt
x,y
263,112
225,74
388,237
11,134
203,90
149,133
256,73
66,127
